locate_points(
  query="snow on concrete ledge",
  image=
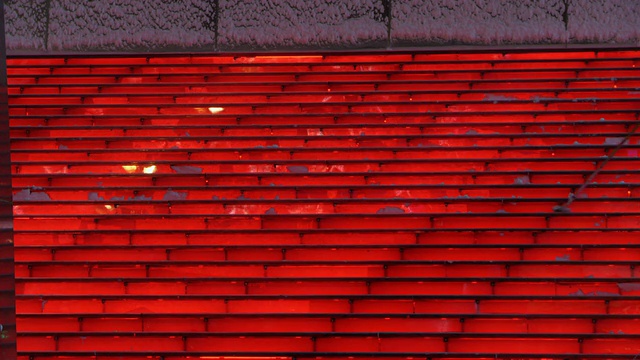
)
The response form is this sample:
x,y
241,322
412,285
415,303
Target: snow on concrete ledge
x,y
131,25
604,21
426,22
288,24
25,24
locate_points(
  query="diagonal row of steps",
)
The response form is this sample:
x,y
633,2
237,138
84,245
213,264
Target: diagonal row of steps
x,y
339,205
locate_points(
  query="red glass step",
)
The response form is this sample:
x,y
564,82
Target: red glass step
x,y
369,204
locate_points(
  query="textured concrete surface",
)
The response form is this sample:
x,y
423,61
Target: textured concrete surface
x,y
131,25
301,24
26,24
229,25
419,22
604,21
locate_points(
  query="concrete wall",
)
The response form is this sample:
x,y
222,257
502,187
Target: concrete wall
x,y
235,25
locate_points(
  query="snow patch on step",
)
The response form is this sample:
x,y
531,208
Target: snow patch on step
x,y
615,141
94,196
171,195
298,169
33,194
496,98
522,180
141,198
390,210
186,169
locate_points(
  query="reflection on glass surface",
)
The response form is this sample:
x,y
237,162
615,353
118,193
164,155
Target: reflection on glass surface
x,y
215,110
130,168
149,169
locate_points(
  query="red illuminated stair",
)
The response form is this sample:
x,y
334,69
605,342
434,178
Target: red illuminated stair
x,y
338,206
